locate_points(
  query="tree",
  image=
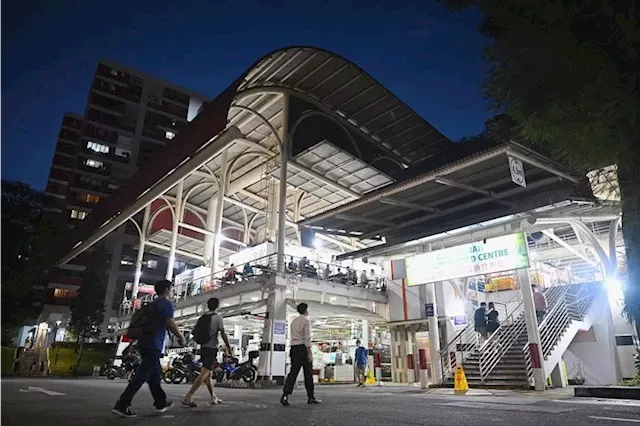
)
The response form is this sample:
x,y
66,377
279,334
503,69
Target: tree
x,y
28,232
568,74
87,308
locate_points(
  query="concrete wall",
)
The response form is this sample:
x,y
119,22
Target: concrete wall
x,y
594,350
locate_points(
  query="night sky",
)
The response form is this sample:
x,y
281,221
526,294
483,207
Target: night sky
x,y
431,59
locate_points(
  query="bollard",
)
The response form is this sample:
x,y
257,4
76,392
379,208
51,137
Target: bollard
x,y
422,359
411,377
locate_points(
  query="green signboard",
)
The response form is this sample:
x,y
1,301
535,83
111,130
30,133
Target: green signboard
x,y
483,257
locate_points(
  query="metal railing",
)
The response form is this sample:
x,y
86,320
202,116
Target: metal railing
x,y
260,269
510,332
566,309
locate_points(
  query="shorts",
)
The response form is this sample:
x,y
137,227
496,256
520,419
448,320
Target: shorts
x,y
208,357
360,370
481,328
492,326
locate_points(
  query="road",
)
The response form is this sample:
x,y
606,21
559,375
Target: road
x,y
62,402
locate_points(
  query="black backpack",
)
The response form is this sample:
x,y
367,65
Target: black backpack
x,y
202,330
144,322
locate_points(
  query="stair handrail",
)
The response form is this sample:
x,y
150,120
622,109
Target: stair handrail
x,y
465,341
508,333
494,348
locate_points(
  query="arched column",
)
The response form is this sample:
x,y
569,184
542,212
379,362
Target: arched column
x,y
174,230
142,237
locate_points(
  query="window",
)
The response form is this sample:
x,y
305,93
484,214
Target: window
x,y
61,293
123,153
169,135
93,163
78,214
97,147
113,186
88,198
125,262
86,180
152,264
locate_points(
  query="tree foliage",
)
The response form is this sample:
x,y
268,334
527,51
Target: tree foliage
x,y
28,232
87,308
568,74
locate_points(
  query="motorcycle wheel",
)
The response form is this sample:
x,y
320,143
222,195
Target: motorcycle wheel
x,y
111,374
250,375
178,377
168,376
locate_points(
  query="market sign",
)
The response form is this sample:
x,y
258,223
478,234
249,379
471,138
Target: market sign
x,y
483,257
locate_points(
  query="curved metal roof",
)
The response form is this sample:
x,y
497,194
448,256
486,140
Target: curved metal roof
x,y
253,105
348,90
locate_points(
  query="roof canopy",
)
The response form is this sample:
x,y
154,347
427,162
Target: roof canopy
x,y
370,139
474,189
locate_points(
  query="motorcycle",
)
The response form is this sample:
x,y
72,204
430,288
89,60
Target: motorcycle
x,y
182,368
229,369
126,370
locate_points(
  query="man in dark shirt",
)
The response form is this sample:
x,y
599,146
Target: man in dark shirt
x,y
480,320
150,349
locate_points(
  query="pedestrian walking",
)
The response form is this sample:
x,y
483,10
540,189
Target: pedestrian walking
x,y
206,333
149,327
301,356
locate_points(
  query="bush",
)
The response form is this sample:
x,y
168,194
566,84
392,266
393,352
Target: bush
x,y
7,360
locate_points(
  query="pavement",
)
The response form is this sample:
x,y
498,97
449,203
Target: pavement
x,y
62,402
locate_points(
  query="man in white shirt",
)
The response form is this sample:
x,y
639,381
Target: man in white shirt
x,y
301,356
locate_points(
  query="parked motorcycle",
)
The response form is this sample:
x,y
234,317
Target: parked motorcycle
x,y
229,369
182,368
126,370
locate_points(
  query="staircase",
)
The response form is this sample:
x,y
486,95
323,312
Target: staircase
x,y
502,361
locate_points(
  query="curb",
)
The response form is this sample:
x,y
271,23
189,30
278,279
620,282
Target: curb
x,y
612,392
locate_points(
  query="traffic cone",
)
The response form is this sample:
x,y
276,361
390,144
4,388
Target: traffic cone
x,y
461,387
370,379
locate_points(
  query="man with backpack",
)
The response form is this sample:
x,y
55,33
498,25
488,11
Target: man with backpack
x,y
148,327
205,333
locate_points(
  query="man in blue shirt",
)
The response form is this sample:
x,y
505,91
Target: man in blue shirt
x,y
151,348
360,363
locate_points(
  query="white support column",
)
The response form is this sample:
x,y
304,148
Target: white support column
x,y
272,361
284,156
365,334
272,215
210,224
219,212
141,245
174,231
434,336
535,348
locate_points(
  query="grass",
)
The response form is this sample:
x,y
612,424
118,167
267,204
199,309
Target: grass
x,y
62,359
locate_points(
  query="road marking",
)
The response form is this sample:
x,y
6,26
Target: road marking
x,y
508,407
615,419
621,402
45,391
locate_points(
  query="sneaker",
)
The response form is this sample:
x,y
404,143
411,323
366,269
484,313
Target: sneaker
x,y
168,406
124,412
313,401
284,400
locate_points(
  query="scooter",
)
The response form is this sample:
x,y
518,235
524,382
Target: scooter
x,y
229,369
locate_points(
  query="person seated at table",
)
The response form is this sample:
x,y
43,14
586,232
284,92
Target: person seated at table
x,y
352,277
326,272
230,274
247,270
292,266
364,280
303,264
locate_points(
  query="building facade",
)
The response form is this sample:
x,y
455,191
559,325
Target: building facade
x,y
129,116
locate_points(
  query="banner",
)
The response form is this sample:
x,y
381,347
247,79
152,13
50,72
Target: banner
x,y
483,257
